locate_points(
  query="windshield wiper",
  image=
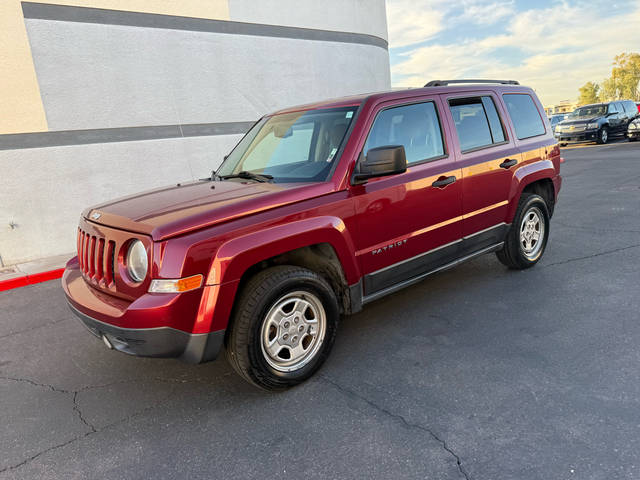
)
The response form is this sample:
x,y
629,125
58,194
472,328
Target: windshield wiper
x,y
259,177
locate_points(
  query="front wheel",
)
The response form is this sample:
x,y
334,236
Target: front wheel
x,y
603,135
283,327
527,238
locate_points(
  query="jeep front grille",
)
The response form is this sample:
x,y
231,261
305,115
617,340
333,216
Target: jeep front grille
x,y
96,256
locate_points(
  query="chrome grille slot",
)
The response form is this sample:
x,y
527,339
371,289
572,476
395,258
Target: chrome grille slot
x,y
96,256
110,261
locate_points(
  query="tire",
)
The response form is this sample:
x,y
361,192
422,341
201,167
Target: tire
x,y
603,136
632,139
258,341
515,254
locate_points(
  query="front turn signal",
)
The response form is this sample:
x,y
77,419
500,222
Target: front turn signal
x,y
177,285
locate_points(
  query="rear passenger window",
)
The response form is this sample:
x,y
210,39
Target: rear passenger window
x,y
524,115
477,122
415,126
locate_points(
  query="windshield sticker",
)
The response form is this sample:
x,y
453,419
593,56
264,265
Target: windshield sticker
x,y
349,115
332,154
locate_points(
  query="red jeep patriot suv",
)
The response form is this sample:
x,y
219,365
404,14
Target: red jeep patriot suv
x,y
319,210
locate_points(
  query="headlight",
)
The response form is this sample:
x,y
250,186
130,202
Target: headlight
x,y
634,125
592,126
137,261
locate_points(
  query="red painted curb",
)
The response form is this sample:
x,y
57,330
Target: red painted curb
x,y
30,279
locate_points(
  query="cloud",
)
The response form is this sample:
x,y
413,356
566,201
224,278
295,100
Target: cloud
x,y
408,24
558,49
484,13
411,22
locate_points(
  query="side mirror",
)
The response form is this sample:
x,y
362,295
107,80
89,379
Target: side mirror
x,y
380,162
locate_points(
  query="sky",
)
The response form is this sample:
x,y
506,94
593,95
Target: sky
x,y
552,46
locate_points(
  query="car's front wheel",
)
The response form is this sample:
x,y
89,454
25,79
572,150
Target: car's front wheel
x,y
283,327
603,135
527,238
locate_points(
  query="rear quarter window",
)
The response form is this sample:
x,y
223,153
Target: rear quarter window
x,y
524,115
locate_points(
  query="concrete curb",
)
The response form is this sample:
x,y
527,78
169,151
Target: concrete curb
x,y
29,273
25,280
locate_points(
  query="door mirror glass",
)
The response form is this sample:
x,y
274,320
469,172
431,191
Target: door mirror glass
x,y
380,162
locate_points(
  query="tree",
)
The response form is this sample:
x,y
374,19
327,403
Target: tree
x,y
589,93
626,69
610,89
624,79
623,84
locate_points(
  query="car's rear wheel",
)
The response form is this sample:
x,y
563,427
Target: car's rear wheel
x,y
283,327
527,237
603,135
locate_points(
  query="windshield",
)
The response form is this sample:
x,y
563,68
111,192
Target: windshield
x,y
291,147
590,111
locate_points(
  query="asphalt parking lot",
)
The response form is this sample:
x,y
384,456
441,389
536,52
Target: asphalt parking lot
x,y
478,373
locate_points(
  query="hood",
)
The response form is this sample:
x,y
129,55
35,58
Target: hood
x,y
166,212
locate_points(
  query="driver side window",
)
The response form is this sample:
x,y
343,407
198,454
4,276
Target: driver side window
x,y
416,127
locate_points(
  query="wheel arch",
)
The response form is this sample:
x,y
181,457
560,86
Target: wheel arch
x,y
535,178
321,244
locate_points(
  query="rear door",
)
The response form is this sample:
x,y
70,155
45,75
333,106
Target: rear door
x,y
488,157
406,224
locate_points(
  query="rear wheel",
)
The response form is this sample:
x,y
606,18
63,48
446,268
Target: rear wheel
x,y
283,327
527,238
603,135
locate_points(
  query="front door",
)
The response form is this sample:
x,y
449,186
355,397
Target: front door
x,y
409,223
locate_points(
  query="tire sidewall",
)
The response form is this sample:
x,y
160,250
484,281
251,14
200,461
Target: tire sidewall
x,y
539,203
254,340
601,138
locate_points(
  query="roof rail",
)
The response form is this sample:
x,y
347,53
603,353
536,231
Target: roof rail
x,y
442,83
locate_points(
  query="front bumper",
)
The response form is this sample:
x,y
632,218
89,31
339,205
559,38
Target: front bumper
x,y
155,342
633,134
154,325
583,136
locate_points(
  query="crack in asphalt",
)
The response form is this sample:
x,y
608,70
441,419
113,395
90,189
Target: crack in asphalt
x,y
36,384
36,327
76,408
599,254
401,419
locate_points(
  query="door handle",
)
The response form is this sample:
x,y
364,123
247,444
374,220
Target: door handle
x,y
508,163
443,182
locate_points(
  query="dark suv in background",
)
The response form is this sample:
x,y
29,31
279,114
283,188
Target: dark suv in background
x,y
597,122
